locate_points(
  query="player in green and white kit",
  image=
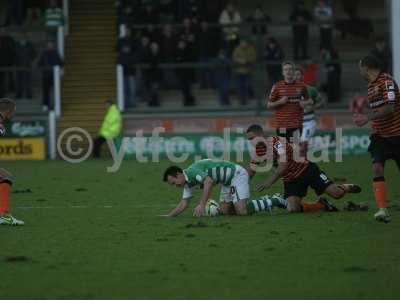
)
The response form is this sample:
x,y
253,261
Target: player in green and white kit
x,y
309,121
235,189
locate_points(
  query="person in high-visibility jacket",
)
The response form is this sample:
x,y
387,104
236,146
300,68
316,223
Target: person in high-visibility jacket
x,y
110,129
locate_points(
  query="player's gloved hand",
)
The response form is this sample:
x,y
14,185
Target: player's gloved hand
x,y
199,211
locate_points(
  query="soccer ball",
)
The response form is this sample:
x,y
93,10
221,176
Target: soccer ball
x,y
212,208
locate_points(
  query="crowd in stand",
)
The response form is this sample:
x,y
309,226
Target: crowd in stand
x,y
20,55
219,51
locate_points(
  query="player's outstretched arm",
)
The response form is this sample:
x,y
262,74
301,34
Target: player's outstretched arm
x,y
276,175
381,112
207,187
384,111
179,208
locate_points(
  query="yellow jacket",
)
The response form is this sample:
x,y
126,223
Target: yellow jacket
x,y
112,124
245,56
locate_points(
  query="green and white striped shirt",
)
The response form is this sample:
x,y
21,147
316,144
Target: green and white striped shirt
x,y
220,171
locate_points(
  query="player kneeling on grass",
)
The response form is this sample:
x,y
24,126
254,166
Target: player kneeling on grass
x,y
297,173
235,190
7,111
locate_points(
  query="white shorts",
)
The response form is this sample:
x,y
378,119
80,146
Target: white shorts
x,y
239,188
309,128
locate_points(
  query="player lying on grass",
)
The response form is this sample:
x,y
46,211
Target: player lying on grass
x,y
7,111
297,173
235,190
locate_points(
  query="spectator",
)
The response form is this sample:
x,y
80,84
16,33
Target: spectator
x,y
188,35
168,42
310,70
143,49
48,59
25,55
110,129
152,32
244,57
149,15
259,17
207,51
333,70
273,56
300,19
153,74
212,10
126,17
167,11
383,53
185,75
324,17
358,103
127,57
16,12
188,9
7,60
222,75
230,18
53,15
350,7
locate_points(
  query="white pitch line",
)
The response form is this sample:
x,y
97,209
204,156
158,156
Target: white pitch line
x,y
87,206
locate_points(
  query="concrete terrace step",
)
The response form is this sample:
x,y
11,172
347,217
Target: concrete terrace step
x,y
90,72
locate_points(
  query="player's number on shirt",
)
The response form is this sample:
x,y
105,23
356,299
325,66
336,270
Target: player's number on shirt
x,y
323,177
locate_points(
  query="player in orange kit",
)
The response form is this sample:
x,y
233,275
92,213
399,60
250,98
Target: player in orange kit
x,y
384,103
7,111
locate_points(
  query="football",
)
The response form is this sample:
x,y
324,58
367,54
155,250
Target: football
x,y
212,208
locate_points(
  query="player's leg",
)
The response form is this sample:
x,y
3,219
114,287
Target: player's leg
x,y
294,204
266,203
6,180
225,201
308,132
296,190
321,184
379,153
240,190
240,193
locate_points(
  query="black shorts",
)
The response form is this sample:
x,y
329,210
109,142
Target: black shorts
x,y
312,177
383,149
289,133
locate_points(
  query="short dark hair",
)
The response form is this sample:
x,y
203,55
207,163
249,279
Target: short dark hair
x,y
255,128
371,61
6,104
290,63
171,171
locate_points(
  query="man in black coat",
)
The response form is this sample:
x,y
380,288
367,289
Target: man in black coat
x,y
185,74
300,19
7,60
48,59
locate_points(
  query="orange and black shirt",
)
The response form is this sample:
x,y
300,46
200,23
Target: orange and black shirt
x,y
384,91
290,115
274,150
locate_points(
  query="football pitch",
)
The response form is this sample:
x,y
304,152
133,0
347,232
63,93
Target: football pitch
x,y
90,234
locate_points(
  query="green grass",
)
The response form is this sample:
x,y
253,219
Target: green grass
x,y
94,235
